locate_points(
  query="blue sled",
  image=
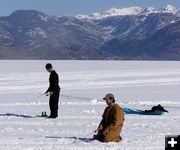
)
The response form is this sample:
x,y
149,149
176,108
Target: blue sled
x,y
141,112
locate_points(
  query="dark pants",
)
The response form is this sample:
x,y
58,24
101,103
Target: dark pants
x,y
53,104
99,136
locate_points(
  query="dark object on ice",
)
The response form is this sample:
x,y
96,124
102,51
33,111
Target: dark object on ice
x,y
158,107
155,110
99,136
15,115
76,139
44,114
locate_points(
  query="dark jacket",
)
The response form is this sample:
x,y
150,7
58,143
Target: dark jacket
x,y
111,124
53,82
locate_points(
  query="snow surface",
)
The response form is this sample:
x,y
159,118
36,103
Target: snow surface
x,y
135,84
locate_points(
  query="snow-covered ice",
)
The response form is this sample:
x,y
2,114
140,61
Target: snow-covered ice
x,y
135,84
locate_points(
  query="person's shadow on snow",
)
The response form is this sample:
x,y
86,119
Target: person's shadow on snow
x,y
76,139
15,115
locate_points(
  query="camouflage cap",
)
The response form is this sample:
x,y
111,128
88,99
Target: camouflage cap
x,y
109,95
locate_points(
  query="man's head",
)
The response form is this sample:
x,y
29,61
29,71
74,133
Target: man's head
x,y
109,99
48,67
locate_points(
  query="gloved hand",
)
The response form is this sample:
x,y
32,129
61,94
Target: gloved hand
x,y
49,93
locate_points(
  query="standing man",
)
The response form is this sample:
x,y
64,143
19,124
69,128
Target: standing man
x,y
53,91
112,122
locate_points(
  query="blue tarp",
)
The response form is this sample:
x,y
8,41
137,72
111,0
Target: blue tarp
x,y
141,112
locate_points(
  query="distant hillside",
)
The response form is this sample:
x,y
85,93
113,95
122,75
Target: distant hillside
x,y
162,45
119,33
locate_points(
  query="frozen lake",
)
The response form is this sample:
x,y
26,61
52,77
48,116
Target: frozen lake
x,y
135,84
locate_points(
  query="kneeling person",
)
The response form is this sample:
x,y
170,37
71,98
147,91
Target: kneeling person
x,y
110,127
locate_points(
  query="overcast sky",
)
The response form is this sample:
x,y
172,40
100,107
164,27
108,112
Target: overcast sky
x,y
74,7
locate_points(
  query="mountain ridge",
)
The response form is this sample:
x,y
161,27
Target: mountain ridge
x,y
133,10
34,35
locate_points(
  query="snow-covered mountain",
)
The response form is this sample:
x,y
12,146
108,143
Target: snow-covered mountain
x,y
129,11
169,9
113,12
33,34
29,26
